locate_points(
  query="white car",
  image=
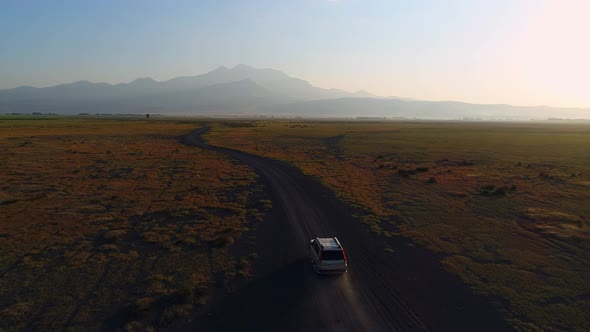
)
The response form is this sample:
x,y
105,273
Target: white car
x,y
327,255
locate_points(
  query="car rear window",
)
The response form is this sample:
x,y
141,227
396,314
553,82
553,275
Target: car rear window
x,y
332,255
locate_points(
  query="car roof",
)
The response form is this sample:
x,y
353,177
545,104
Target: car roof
x,y
329,242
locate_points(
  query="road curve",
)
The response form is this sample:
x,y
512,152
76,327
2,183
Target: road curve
x,y
382,291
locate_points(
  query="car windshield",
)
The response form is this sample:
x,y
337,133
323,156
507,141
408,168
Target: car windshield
x,y
333,255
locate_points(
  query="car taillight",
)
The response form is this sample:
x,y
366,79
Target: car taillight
x,y
343,255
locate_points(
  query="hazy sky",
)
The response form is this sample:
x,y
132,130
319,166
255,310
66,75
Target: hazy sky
x,y
495,51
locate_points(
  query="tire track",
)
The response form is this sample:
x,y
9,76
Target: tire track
x,y
405,291
342,303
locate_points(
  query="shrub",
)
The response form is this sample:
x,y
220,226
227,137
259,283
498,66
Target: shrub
x,y
266,203
406,172
492,190
500,191
115,235
222,241
544,175
144,304
175,312
488,188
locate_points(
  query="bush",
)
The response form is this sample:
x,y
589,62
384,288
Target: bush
x,y
492,190
12,315
173,313
406,172
222,241
144,304
115,235
488,188
500,191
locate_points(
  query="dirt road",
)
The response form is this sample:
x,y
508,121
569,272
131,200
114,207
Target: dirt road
x,y
403,289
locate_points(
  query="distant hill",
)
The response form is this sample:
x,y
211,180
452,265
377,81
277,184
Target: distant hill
x,y
244,90
416,109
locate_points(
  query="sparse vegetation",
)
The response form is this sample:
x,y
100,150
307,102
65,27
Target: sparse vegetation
x,y
506,213
105,201
113,224
492,190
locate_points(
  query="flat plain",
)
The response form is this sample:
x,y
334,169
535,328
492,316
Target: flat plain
x,y
505,206
112,223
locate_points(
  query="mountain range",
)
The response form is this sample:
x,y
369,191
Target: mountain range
x,y
244,90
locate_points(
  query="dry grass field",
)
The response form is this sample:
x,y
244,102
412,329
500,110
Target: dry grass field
x,y
505,205
110,223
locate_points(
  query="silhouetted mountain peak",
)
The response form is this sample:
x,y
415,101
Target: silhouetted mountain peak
x,y
246,89
143,81
243,67
364,93
258,75
79,83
